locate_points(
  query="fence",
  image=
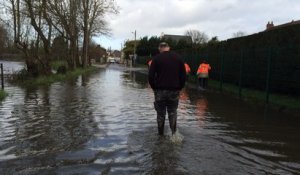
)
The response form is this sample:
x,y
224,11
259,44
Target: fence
x,y
272,69
269,69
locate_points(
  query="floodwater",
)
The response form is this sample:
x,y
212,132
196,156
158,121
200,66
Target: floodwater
x,y
104,123
10,67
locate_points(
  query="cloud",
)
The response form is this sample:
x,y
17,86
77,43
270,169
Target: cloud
x,y
219,18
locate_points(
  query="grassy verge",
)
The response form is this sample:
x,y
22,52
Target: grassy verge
x,y
2,94
47,80
256,96
279,101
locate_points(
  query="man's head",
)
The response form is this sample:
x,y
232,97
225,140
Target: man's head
x,y
163,47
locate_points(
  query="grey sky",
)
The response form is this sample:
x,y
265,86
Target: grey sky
x,y
219,18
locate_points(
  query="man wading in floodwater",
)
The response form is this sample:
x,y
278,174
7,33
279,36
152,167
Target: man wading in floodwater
x,y
166,78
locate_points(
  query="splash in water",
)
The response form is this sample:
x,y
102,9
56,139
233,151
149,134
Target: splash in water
x,y
176,138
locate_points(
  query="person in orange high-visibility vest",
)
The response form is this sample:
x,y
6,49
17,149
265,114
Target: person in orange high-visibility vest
x,y
202,74
187,68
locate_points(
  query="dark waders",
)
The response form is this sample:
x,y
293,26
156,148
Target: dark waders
x,y
166,101
203,79
203,82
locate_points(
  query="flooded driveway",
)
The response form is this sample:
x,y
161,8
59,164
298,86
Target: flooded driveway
x,y
104,123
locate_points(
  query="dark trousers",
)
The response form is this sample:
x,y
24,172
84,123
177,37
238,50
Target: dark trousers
x,y
203,82
166,101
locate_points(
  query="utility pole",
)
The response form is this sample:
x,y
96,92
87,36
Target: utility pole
x,y
134,49
122,61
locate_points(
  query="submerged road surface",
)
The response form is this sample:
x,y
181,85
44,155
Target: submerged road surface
x,y
104,123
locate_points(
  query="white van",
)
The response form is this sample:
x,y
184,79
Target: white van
x,y
111,60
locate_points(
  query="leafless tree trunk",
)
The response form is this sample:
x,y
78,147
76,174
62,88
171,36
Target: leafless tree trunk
x,y
85,5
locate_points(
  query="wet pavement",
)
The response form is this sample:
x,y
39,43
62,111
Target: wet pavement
x,y
104,123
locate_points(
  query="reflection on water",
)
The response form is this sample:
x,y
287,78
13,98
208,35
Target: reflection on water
x,y
104,123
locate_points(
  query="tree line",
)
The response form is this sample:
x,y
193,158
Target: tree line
x,y
46,29
148,46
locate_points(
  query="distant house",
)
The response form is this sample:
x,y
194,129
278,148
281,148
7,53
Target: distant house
x,y
177,38
113,56
271,26
116,53
97,54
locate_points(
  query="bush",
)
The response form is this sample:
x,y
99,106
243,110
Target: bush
x,y
61,70
2,94
56,64
20,75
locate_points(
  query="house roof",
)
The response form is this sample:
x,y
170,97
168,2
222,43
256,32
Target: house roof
x,y
284,25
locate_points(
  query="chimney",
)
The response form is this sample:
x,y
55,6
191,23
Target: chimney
x,y
269,25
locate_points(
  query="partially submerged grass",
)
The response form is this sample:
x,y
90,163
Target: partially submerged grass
x,y
285,101
257,96
3,94
47,80
280,101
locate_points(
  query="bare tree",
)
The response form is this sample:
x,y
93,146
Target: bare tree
x,y
21,32
64,16
238,34
43,27
31,32
74,19
93,22
197,36
37,22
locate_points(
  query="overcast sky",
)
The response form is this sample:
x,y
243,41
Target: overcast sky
x,y
219,18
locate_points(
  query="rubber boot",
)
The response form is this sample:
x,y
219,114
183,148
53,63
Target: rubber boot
x,y
161,126
173,121
173,126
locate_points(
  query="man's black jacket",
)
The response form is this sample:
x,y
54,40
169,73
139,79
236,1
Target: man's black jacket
x,y
167,72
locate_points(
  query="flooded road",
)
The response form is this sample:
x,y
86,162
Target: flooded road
x,y
104,123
